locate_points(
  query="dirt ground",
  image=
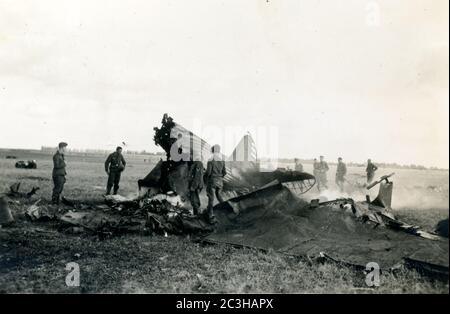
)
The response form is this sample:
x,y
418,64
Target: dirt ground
x,y
33,255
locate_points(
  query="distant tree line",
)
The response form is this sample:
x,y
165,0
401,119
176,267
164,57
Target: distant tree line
x,y
283,160
101,151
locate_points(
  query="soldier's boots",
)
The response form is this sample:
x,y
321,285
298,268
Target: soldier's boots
x,y
108,192
55,199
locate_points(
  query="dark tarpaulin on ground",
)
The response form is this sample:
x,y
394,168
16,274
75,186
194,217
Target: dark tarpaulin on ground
x,y
276,219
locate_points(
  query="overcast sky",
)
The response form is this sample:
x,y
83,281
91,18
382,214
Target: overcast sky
x,y
349,78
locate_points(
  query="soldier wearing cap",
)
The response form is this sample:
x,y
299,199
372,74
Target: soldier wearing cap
x,y
322,168
215,171
59,172
316,172
114,165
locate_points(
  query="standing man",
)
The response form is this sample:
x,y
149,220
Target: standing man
x,y
59,172
196,185
114,165
323,169
298,165
316,172
215,171
341,171
370,170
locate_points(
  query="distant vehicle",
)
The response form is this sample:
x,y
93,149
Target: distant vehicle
x,y
27,164
11,157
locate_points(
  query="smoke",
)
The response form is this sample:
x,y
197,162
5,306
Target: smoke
x,y
430,197
403,197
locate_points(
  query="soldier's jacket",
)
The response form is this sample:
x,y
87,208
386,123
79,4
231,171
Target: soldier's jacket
x,y
59,164
299,167
115,162
341,170
215,171
371,168
316,168
323,166
196,176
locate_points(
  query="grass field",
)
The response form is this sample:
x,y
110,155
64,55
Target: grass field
x,y
33,255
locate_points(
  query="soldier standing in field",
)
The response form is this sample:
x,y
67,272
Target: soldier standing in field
x,y
316,172
341,171
370,170
323,169
59,172
215,172
196,185
114,165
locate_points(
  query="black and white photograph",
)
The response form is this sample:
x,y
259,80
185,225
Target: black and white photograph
x,y
223,152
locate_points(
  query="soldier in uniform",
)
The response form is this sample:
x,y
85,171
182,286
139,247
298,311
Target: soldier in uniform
x,y
114,165
59,172
370,170
316,172
215,171
341,171
195,185
298,165
323,169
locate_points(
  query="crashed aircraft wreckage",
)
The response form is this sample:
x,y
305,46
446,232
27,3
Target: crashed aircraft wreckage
x,y
265,210
268,211
342,230
244,174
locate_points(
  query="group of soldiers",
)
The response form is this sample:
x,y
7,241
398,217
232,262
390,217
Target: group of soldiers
x,y
320,169
198,176
115,165
213,176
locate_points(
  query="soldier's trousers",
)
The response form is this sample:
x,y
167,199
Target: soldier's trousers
x,y
195,200
211,191
322,181
58,186
113,180
370,176
340,182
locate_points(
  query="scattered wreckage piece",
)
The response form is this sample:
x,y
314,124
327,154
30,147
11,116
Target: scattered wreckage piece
x,y
167,214
384,178
104,224
76,205
119,200
11,157
26,164
41,213
178,224
171,198
353,233
14,188
14,191
160,214
6,217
